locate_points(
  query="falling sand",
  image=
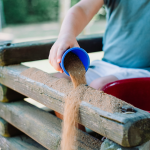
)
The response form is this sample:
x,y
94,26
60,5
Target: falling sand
x,y
79,93
76,70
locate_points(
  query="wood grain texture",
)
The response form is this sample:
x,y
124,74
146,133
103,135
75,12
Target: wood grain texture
x,y
37,50
21,142
7,130
42,126
9,95
110,145
118,127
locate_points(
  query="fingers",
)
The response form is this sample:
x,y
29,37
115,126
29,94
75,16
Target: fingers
x,y
57,51
53,59
61,51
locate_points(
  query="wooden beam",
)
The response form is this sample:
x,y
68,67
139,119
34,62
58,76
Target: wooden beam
x,y
50,91
21,142
110,145
41,126
30,51
7,130
9,95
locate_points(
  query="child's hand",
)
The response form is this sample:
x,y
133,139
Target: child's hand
x,y
74,22
63,43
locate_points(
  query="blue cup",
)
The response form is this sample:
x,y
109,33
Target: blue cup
x,y
81,53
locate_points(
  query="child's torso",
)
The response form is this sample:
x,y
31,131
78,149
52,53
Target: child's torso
x,y
127,36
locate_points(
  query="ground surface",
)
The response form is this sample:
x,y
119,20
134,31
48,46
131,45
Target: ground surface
x,y
47,30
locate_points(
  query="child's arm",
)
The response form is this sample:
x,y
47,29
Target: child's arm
x,y
75,21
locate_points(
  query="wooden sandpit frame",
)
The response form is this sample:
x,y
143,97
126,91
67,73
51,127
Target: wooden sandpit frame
x,y
127,131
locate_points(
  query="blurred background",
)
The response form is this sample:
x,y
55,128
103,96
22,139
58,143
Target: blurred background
x,y
30,20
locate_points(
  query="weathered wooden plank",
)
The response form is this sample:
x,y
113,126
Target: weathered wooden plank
x,y
118,127
7,130
21,142
30,51
110,145
42,126
9,95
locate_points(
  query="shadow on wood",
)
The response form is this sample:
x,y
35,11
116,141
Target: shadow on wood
x,y
21,142
9,95
7,130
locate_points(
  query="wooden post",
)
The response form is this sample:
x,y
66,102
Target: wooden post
x,y
9,95
7,130
64,7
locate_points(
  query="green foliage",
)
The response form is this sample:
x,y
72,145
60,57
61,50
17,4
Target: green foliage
x,y
28,11
15,11
44,10
73,2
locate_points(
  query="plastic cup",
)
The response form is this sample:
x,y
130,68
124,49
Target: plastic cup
x,y
81,53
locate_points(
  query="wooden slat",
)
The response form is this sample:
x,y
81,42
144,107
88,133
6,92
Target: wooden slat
x,y
121,128
21,142
9,95
42,126
7,130
37,50
110,145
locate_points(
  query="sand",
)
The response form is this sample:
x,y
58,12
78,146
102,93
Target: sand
x,y
76,70
96,98
74,95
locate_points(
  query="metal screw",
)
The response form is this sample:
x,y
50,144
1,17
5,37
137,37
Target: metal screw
x,y
127,109
8,44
